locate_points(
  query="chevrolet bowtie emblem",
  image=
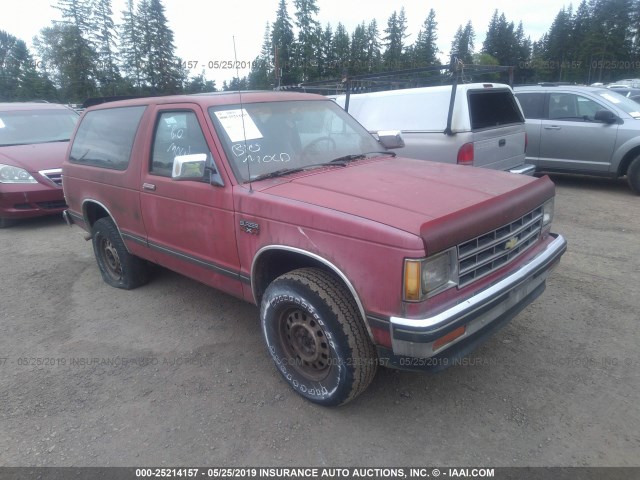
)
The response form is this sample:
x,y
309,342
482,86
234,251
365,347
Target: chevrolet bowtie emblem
x,y
512,242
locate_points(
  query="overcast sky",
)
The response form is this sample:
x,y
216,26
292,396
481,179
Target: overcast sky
x,y
204,32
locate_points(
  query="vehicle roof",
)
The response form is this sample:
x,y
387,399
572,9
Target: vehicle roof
x,y
575,88
15,106
430,90
214,99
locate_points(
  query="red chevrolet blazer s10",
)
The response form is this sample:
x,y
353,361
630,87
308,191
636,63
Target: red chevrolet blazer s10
x,y
356,257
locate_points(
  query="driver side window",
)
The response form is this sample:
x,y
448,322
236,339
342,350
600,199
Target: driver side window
x,y
176,133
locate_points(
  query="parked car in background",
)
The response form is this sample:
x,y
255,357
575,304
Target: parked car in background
x,y
585,130
629,92
484,126
356,257
33,143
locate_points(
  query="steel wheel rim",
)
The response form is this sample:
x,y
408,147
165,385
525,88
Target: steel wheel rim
x,y
305,344
111,259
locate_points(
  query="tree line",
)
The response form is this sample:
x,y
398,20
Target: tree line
x,y
88,54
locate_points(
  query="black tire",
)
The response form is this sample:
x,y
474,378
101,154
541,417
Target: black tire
x,y
633,176
316,337
118,267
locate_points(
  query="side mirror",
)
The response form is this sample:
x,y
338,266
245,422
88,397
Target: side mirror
x,y
605,116
390,139
189,167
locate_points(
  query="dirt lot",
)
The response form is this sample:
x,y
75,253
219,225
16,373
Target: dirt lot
x,y
175,373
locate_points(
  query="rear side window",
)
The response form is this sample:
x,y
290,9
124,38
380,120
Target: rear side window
x,y
532,104
493,108
105,137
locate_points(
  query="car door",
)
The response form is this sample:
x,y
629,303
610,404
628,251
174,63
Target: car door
x,y
532,104
571,139
189,224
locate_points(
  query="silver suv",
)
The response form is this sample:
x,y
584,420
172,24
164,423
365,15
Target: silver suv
x,y
585,130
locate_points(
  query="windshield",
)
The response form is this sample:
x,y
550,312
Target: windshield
x,y
263,138
623,103
25,127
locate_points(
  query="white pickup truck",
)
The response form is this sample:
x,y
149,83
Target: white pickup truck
x,y
479,124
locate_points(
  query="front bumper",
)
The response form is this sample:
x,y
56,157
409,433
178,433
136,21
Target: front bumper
x,y
30,200
480,314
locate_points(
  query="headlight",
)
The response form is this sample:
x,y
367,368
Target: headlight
x,y
11,174
426,277
547,215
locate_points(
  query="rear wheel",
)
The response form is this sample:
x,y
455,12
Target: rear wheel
x,y
633,176
316,337
117,266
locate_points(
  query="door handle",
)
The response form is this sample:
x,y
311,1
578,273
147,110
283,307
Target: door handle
x,y
552,127
149,186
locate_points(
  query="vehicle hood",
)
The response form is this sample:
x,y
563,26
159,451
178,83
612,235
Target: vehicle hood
x,y
35,157
445,204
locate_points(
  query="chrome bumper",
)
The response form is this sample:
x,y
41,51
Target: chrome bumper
x,y
496,304
525,169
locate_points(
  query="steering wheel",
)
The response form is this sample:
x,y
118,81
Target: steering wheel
x,y
312,147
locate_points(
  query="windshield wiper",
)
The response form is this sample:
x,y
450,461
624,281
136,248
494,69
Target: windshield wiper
x,y
277,173
336,162
350,158
287,171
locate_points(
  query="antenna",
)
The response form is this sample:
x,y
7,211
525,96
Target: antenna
x,y
244,132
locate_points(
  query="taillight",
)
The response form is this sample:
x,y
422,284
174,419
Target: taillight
x,y
465,154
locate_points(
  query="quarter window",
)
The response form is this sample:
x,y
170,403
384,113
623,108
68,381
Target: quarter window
x,y
105,137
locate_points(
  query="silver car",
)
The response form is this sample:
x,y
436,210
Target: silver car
x,y
585,130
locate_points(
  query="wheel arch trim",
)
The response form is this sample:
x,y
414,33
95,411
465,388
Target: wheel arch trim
x,y
85,202
317,258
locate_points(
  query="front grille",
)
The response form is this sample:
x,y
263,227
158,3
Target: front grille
x,y
54,175
485,254
52,205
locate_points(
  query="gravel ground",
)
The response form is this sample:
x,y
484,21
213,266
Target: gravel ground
x,y
176,374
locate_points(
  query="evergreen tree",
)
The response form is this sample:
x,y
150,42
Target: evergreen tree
x,y
425,49
103,38
235,84
340,50
74,37
374,55
327,60
282,41
161,68
67,60
558,44
260,76
199,84
393,56
610,37
463,43
308,43
358,55
19,77
130,46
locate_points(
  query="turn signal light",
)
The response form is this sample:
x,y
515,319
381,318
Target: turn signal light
x,y
449,337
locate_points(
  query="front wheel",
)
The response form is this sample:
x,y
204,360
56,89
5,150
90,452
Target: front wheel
x,y
633,176
316,337
118,267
